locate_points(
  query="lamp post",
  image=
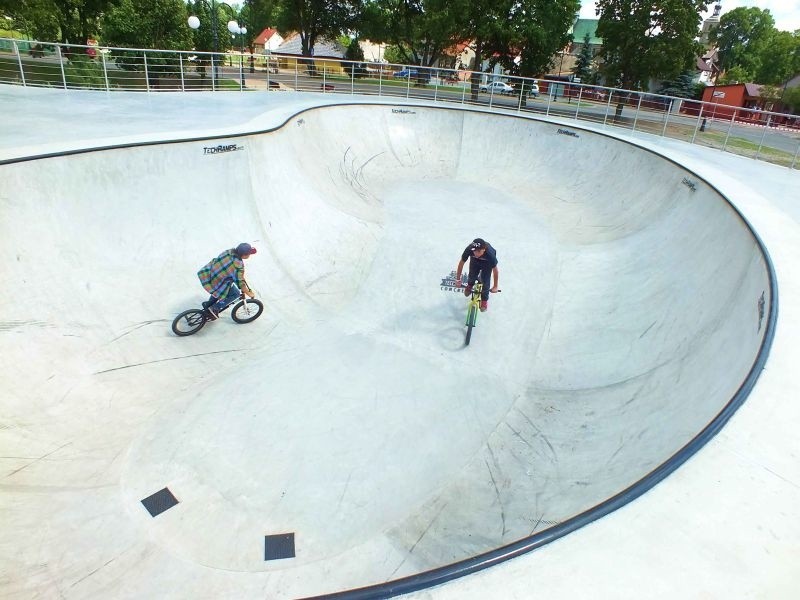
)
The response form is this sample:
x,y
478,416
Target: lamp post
x,y
194,23
235,28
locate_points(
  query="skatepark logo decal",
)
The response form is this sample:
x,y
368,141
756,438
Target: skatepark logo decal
x,y
568,132
449,283
689,184
403,111
221,148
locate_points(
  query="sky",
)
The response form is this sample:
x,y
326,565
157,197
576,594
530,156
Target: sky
x,y
785,12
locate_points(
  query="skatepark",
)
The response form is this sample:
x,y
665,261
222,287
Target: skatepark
x,y
624,409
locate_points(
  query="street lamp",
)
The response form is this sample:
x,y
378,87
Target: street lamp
x,y
194,23
234,28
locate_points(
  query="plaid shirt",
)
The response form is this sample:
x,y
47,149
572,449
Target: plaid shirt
x,y
218,273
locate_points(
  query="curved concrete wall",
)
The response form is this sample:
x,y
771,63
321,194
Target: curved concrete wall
x,y
350,414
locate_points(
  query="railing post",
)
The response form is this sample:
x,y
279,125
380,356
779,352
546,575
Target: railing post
x,y
464,89
352,78
608,106
408,84
105,70
61,63
638,108
666,118
764,136
580,96
324,69
180,63
19,60
213,74
380,79
697,124
796,154
549,97
241,71
295,73
436,88
146,72
730,128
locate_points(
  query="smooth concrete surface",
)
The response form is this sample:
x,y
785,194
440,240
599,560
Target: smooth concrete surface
x,y
350,414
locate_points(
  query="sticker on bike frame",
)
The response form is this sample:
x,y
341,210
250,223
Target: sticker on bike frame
x,y
449,283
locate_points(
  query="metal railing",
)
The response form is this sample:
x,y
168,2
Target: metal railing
x,y
762,135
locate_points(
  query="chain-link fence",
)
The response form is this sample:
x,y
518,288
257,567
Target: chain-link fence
x,y
762,135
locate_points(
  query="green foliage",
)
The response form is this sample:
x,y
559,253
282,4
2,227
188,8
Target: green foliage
x,y
743,38
157,24
356,54
736,74
67,21
83,71
418,32
780,58
315,19
642,39
682,86
791,98
538,29
584,68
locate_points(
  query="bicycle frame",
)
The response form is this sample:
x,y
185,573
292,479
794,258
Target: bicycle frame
x,y
474,304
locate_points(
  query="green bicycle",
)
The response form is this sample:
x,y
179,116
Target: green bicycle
x,y
473,308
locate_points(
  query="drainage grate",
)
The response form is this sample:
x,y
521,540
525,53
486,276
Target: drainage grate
x,y
279,546
159,502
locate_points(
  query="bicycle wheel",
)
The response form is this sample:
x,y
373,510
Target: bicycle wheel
x,y
246,312
189,322
472,315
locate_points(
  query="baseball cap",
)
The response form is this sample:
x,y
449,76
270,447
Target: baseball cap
x,y
477,244
245,248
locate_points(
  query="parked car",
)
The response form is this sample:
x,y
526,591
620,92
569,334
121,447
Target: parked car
x,y
533,89
496,87
406,73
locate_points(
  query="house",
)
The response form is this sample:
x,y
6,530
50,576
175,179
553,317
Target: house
x,y
326,55
267,41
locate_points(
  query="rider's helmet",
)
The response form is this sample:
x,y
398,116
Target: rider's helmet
x,y
244,249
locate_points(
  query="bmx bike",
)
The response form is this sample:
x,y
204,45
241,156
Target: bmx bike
x,y
473,308
191,321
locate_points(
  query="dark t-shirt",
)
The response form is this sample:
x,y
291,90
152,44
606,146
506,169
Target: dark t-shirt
x,y
486,262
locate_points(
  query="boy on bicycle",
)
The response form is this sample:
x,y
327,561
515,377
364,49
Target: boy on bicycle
x,y
482,259
223,278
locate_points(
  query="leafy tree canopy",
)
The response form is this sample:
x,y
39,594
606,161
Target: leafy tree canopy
x,y
642,40
743,37
315,19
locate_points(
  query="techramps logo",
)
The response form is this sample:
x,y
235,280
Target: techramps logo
x,y
222,148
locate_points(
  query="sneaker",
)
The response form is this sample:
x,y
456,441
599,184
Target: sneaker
x,y
468,291
484,305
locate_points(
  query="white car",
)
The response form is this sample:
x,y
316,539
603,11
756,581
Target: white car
x,y
496,87
533,88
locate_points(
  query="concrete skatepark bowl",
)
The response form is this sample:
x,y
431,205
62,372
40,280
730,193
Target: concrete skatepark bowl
x,y
349,420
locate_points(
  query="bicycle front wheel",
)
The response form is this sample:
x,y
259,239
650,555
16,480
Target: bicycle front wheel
x,y
189,322
472,316
244,312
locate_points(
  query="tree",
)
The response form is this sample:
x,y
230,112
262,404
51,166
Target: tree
x,y
735,74
791,98
583,67
158,24
68,21
356,54
779,59
417,32
683,86
742,38
537,30
642,40
315,19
